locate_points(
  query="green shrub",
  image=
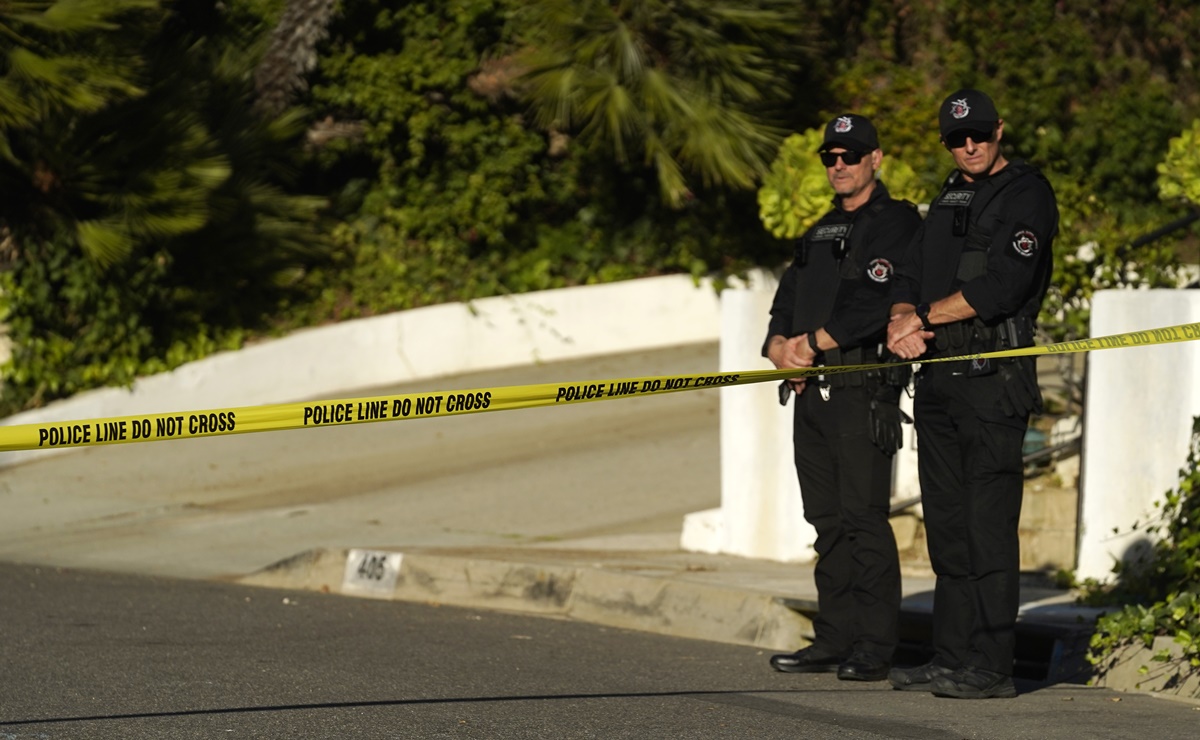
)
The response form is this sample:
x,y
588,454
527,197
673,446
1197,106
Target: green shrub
x,y
79,325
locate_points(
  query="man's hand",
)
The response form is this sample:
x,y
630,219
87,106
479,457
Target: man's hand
x,y
786,352
909,348
907,337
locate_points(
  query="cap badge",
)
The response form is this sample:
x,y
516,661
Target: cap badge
x,y
843,125
960,108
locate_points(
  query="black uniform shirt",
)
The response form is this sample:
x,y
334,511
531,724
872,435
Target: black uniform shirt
x,y
848,295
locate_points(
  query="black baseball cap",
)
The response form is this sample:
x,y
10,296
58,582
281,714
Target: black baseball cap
x,y
967,109
851,131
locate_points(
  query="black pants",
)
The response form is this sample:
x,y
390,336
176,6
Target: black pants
x,y
845,483
969,460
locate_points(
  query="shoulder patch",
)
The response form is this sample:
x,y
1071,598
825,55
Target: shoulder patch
x,y
1024,241
880,270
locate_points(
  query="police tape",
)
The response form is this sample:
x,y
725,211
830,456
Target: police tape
x,y
319,414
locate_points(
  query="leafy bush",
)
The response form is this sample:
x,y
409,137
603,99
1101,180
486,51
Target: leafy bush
x,y
1179,173
444,183
451,192
79,325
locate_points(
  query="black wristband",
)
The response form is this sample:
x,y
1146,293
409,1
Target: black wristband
x,y
923,315
812,342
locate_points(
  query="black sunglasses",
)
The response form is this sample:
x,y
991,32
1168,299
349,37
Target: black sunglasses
x,y
959,138
850,157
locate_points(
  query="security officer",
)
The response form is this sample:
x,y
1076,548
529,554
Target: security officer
x,y
973,281
831,308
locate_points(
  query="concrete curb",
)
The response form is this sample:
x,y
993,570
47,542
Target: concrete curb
x,y
653,599
699,596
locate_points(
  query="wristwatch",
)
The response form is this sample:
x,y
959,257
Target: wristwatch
x,y
923,315
812,342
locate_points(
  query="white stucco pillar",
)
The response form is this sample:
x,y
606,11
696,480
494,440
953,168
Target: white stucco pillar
x,y
761,515
1138,421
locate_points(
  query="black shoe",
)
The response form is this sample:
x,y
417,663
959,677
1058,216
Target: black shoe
x,y
919,678
808,660
863,667
974,683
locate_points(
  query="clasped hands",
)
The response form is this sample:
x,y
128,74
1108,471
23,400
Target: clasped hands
x,y
907,337
788,352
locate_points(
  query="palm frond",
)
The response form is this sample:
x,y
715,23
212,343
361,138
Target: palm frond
x,y
74,16
105,241
680,81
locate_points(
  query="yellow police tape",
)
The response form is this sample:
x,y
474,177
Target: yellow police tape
x,y
246,419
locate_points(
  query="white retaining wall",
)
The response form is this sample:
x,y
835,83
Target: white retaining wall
x,y
487,334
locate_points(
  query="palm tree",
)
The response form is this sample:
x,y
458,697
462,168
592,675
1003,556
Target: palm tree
x,y
125,128
682,83
292,53
147,209
58,60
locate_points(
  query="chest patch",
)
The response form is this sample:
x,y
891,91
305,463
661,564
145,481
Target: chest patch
x,y
956,198
829,232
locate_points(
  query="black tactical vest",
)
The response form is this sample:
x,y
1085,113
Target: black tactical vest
x,y
962,221
846,238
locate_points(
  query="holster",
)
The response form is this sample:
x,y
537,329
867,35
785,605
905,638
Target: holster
x,y
896,375
983,339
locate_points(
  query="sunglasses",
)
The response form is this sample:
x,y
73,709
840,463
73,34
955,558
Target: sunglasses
x,y
958,139
851,157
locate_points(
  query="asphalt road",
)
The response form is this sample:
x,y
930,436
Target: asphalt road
x,y
93,655
100,639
